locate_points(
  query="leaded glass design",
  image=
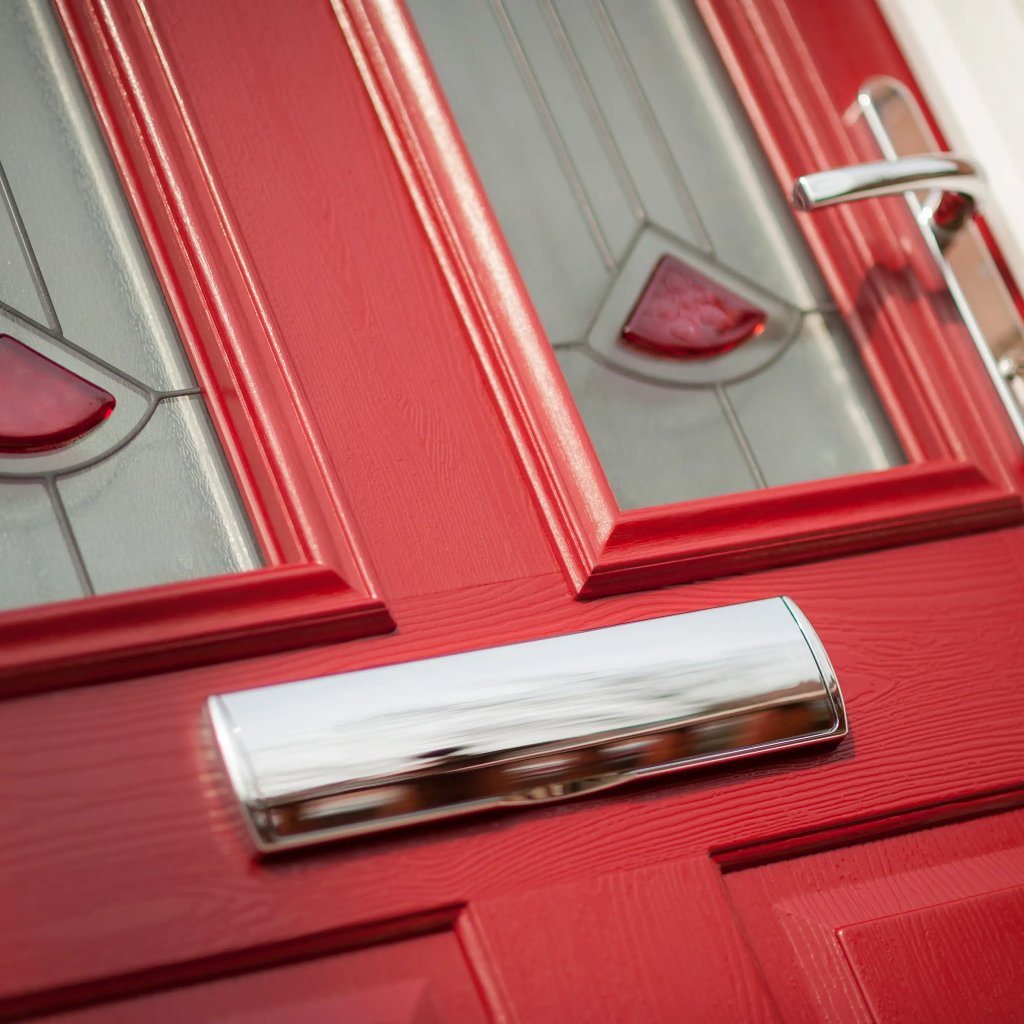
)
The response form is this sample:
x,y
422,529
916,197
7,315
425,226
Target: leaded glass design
x,y
145,496
609,138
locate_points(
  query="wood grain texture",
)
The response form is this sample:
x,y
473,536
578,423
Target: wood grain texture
x,y
915,916
656,944
373,337
158,871
124,864
418,981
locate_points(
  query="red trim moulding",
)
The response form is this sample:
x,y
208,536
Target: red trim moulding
x,y
964,471
317,586
206,969
116,636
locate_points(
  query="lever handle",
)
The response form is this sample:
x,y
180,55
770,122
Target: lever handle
x,y
954,185
935,171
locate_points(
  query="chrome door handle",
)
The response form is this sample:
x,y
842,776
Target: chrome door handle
x,y
937,172
955,186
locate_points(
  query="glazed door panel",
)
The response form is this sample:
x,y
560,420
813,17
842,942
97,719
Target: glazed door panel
x,y
305,228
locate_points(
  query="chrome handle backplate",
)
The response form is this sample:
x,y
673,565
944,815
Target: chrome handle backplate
x,y
943,191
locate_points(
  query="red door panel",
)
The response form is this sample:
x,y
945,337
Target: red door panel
x,y
920,927
409,447
359,306
639,945
419,981
959,962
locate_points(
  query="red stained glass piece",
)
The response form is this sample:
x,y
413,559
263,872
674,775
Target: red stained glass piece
x,y
42,404
684,315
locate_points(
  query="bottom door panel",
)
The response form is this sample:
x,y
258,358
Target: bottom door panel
x,y
961,962
922,927
422,980
655,944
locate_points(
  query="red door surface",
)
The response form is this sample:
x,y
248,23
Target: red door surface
x,y
419,482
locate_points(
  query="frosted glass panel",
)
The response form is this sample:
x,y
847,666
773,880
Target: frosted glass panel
x,y
35,565
688,449
813,393
165,497
608,136
16,287
73,208
145,497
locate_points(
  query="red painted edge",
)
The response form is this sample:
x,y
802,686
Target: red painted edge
x,y
516,359
784,525
934,388
318,585
179,625
862,830
225,320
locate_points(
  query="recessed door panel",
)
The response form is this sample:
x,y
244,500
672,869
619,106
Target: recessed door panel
x,y
422,980
919,927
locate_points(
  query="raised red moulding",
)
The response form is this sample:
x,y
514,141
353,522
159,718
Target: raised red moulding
x,y
42,404
684,315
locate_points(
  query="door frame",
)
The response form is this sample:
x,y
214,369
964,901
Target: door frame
x,y
129,869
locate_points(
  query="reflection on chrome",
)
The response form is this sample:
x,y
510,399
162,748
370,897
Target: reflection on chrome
x,y
526,723
943,192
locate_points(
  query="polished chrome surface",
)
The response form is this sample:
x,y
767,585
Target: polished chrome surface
x,y
371,750
899,128
936,171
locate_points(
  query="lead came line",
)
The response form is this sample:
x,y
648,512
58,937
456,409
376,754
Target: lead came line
x,y
668,161
551,127
585,90
28,252
741,437
74,551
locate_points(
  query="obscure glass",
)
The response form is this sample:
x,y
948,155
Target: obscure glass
x,y
144,495
35,563
191,531
608,137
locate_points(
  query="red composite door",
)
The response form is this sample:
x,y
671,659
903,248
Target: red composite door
x,y
410,456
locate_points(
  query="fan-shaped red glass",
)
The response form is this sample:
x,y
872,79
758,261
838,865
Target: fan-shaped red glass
x,y
684,315
42,404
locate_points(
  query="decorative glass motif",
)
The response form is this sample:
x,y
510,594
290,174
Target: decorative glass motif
x,y
608,136
111,476
42,404
685,315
